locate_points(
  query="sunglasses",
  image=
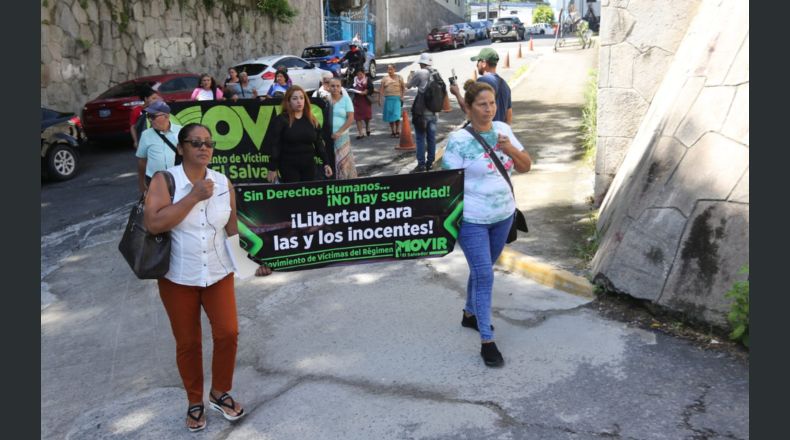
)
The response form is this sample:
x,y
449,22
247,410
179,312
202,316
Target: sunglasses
x,y
197,143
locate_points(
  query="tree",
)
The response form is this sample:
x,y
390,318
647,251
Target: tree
x,y
543,14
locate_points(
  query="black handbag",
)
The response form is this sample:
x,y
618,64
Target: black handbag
x,y
519,221
148,255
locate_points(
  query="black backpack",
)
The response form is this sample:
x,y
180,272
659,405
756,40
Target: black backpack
x,y
435,92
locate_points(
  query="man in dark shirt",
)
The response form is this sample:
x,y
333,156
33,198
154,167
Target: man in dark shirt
x,y
355,57
487,60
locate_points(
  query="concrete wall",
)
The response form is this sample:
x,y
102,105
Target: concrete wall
x,y
89,45
638,40
409,22
675,222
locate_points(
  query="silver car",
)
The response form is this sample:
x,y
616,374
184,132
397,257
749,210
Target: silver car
x,y
507,28
261,71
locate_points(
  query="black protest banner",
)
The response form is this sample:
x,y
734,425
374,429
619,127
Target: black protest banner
x,y
307,225
240,129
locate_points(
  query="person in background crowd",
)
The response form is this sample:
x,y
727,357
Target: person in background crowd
x,y
362,105
323,91
488,205
487,61
355,57
242,89
233,77
279,86
137,118
201,271
157,147
392,90
423,119
207,90
296,141
342,119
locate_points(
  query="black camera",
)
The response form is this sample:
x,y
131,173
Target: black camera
x,y
453,78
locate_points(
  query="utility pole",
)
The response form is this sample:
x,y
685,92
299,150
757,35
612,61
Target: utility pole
x,y
488,7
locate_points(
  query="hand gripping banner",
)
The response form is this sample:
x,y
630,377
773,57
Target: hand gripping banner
x,y
307,225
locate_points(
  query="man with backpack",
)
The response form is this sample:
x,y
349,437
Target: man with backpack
x,y
431,92
486,61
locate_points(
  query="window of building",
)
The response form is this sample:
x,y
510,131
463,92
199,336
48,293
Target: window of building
x,y
481,15
513,12
492,14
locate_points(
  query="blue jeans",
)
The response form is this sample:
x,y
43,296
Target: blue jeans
x,y
482,245
421,135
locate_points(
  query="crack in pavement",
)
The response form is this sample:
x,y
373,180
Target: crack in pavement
x,y
699,407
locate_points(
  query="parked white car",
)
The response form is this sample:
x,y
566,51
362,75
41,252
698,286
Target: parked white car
x,y
469,31
261,71
541,29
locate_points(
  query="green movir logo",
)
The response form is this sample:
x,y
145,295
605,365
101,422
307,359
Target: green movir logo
x,y
418,245
237,121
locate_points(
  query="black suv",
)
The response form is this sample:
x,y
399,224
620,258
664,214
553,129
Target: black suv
x,y
508,27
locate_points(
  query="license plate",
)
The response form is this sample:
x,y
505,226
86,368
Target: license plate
x,y
104,112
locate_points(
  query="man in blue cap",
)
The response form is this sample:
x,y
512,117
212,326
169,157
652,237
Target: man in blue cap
x,y
487,60
156,150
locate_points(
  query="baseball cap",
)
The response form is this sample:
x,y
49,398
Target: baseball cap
x,y
157,107
425,59
486,54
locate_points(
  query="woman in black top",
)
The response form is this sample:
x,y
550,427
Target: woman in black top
x,y
296,141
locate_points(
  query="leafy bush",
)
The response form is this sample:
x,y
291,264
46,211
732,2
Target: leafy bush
x,y
739,310
280,10
543,14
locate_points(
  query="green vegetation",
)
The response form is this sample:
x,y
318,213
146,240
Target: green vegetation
x,y
586,249
543,14
589,118
83,4
739,310
280,10
84,44
387,47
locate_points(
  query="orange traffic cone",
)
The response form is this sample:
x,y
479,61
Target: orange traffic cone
x,y
519,49
507,60
531,48
406,139
446,104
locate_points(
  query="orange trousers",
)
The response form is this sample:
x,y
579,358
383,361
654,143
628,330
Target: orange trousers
x,y
183,304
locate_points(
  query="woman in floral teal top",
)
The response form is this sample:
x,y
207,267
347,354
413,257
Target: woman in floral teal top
x,y
488,206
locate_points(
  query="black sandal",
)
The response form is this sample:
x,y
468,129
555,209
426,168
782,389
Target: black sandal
x,y
360,137
220,402
199,409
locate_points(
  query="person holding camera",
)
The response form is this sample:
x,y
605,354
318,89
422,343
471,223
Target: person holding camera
x,y
487,61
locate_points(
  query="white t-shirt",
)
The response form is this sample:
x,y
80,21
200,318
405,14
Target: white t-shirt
x,y
487,196
205,95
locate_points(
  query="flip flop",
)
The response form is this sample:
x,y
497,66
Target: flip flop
x,y
221,403
199,409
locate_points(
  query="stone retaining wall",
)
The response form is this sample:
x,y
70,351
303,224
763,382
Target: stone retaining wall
x,y
674,224
638,40
89,45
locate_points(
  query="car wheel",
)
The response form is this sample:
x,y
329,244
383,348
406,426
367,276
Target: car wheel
x,y
62,162
542,32
372,69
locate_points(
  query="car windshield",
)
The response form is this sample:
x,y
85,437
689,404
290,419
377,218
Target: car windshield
x,y
505,21
447,28
123,90
318,52
251,69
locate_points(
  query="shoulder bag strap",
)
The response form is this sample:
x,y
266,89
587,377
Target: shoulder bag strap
x,y
172,147
491,154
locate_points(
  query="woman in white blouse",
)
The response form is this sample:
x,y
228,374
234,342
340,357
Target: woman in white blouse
x,y
200,217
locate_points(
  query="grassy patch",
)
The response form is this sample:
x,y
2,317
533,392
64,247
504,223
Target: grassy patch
x,y
589,118
589,246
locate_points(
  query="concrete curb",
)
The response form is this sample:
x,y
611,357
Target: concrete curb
x,y
405,53
544,273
